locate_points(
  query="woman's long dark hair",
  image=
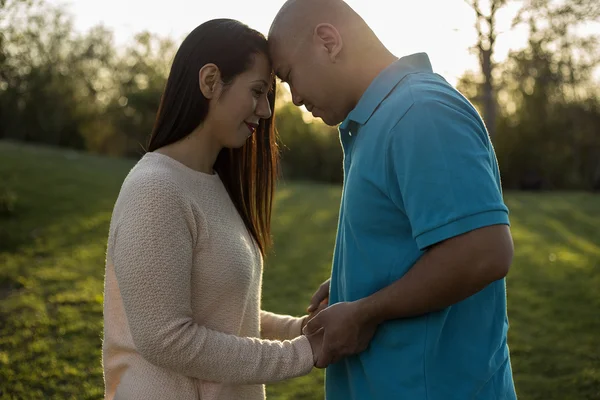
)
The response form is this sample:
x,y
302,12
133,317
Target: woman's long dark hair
x,y
249,173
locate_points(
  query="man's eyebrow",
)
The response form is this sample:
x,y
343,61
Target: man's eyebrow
x,y
261,81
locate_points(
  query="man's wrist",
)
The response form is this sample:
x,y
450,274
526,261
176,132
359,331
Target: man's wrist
x,y
369,311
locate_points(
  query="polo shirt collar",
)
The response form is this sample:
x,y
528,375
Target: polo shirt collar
x,y
383,84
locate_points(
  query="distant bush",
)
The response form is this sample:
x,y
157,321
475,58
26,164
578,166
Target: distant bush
x,y
8,201
310,151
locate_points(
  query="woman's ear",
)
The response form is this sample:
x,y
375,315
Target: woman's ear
x,y
209,78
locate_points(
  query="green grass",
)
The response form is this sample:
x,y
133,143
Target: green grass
x,y
52,248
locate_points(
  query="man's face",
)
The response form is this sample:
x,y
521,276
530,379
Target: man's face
x,y
312,77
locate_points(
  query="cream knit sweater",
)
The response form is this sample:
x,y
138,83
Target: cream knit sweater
x,y
182,316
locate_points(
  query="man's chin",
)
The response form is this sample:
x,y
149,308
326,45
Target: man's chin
x,y
331,121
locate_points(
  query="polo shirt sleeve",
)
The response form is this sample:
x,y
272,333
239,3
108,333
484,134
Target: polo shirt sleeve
x,y
442,172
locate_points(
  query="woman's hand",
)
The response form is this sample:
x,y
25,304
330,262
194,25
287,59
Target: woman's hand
x,y
316,343
324,304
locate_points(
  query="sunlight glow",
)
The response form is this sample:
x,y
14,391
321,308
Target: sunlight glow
x,y
442,28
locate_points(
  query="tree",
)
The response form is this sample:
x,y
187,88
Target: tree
x,y
485,25
140,77
551,114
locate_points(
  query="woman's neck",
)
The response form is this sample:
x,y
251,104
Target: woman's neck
x,y
197,151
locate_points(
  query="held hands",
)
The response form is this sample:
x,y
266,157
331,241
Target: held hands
x,y
342,329
323,305
337,331
316,344
320,297
318,302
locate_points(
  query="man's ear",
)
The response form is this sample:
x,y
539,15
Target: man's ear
x,y
209,78
329,38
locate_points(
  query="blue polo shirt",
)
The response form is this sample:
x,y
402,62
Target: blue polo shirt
x,y
419,168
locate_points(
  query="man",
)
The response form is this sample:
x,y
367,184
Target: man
x,y
417,293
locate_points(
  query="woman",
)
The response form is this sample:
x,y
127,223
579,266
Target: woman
x,y
189,230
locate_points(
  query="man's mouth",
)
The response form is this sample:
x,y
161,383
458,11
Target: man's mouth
x,y
311,109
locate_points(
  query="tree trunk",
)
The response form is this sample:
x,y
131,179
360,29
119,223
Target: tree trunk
x,y
485,24
489,99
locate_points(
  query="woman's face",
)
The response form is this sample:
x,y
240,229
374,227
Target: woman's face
x,y
234,115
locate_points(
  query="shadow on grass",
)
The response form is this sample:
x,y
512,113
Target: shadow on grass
x,y
553,296
52,265
56,191
304,228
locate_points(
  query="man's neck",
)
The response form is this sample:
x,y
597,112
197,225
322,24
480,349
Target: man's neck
x,y
371,66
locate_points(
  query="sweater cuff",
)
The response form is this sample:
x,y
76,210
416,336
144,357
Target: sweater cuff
x,y
296,328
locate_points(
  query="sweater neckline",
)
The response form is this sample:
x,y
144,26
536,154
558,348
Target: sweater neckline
x,y
183,167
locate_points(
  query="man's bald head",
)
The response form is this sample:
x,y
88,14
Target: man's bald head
x,y
297,18
322,49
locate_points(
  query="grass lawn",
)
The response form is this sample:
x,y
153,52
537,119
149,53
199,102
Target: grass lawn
x,y
52,249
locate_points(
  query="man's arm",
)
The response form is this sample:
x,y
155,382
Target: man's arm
x,y
447,273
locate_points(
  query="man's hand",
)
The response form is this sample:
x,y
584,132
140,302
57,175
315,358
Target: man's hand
x,y
320,297
311,315
346,331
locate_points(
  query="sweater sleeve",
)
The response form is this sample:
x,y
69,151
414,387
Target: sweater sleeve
x,y
280,327
154,239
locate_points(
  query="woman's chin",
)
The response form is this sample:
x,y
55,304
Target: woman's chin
x,y
244,137
238,143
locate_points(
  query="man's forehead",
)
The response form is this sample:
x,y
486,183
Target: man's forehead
x,y
283,53
279,57
276,56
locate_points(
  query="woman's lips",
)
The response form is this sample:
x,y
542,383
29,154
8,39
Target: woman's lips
x,y
252,127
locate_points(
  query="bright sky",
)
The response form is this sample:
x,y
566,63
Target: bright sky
x,y
442,28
